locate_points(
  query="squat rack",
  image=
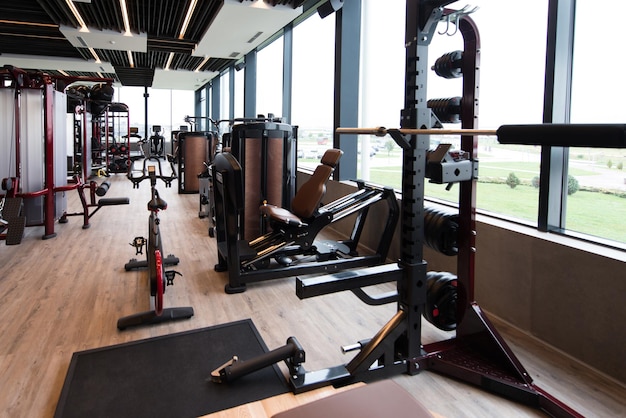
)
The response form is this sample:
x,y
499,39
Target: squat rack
x,y
478,354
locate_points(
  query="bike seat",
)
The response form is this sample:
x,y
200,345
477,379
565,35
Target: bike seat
x,y
156,204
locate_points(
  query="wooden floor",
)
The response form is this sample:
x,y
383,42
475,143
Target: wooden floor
x,y
65,294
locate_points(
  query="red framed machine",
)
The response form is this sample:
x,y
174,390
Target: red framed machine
x,y
34,106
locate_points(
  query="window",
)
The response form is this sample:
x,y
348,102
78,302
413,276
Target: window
x,y
596,202
133,98
313,87
182,105
225,96
509,93
512,74
381,95
269,94
166,108
239,91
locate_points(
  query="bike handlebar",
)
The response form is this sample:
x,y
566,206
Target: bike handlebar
x,y
152,173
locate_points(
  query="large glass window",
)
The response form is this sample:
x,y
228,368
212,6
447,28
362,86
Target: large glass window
x,y
313,87
225,96
512,73
512,67
182,105
239,92
596,202
381,95
166,108
133,98
269,79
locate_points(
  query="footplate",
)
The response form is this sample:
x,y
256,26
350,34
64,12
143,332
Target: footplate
x,y
12,213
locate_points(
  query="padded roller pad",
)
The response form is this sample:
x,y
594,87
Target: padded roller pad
x,y
565,135
113,201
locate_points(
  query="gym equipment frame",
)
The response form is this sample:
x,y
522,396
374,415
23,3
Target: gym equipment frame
x,y
44,185
249,262
155,260
478,354
94,189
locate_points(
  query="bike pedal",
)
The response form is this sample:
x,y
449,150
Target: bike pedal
x,y
169,277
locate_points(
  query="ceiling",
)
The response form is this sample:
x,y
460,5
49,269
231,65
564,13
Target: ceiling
x,y
162,45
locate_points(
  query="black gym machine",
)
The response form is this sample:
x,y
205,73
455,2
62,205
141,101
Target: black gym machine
x,y
290,247
477,354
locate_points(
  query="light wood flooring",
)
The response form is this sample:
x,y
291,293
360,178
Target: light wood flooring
x,y
65,294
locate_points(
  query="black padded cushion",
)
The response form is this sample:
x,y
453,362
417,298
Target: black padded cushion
x,y
565,135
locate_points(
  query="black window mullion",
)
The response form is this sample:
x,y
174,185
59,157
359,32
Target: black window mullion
x,y
557,95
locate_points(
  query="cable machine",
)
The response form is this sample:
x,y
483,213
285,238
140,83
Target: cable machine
x,y
34,106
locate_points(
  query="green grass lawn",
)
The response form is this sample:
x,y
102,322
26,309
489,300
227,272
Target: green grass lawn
x,y
591,213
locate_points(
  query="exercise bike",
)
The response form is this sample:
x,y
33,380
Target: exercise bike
x,y
155,260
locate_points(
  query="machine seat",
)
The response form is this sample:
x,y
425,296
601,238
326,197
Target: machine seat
x,y
113,201
282,215
309,197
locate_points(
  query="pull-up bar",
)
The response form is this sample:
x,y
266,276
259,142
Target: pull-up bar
x,y
551,134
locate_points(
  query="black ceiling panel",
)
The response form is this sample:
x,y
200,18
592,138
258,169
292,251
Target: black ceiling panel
x,y
32,27
137,77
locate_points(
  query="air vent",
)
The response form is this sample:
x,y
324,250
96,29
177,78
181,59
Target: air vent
x,y
82,41
255,37
234,55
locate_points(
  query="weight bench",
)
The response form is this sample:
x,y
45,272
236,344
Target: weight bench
x,y
309,197
94,189
384,398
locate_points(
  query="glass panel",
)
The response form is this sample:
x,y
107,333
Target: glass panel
x,y
182,105
239,90
597,180
313,87
509,93
133,98
167,108
269,79
225,96
381,93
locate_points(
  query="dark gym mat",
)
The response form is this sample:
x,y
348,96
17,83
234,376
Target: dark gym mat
x,y
166,376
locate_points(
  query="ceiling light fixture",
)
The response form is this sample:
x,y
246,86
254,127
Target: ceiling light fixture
x,y
169,61
81,22
125,18
130,59
95,56
13,22
183,29
64,73
202,64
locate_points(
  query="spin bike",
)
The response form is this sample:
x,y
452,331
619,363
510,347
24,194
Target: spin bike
x,y
155,261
